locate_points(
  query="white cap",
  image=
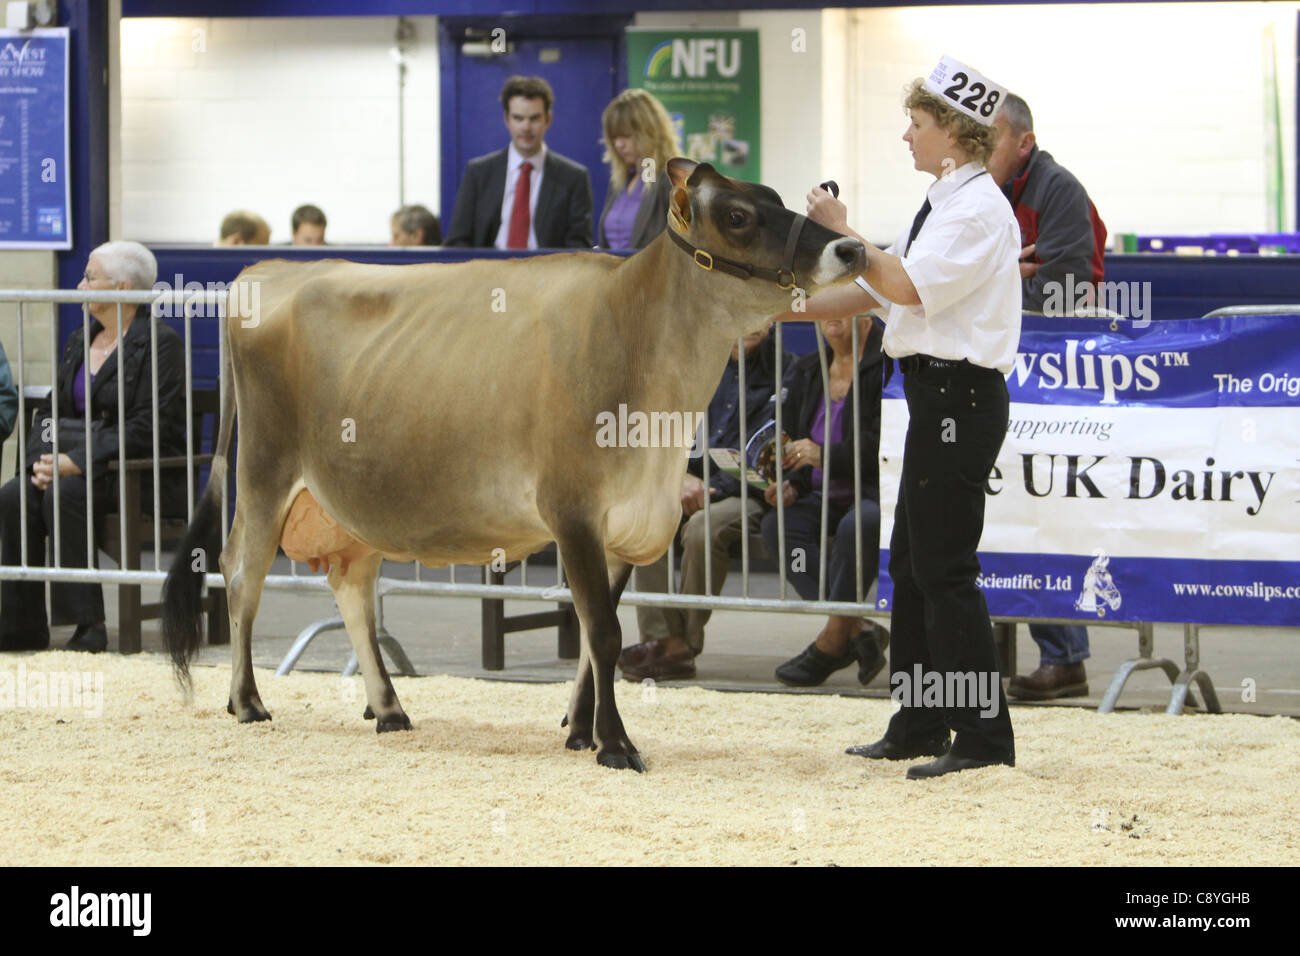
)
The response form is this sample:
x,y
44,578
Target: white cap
x,y
966,90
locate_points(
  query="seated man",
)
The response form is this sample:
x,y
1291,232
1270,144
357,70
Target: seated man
x,y
8,398
496,206
414,226
672,637
308,224
244,228
819,443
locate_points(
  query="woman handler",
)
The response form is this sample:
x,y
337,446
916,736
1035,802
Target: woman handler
x,y
948,291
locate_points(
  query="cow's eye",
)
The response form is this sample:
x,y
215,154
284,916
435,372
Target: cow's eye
x,y
736,218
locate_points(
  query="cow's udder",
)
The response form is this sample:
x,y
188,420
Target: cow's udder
x,y
311,535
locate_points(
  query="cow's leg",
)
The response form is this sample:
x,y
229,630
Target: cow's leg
x,y
355,594
582,702
590,580
245,561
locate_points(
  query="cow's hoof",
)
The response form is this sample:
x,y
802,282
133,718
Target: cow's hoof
x,y
397,721
368,714
249,713
578,741
621,761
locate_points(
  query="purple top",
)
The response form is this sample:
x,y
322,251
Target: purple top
x,y
841,491
79,390
622,216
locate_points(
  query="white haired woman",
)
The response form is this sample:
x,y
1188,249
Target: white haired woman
x,y
114,351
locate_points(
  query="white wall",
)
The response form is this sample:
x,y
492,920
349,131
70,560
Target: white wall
x,y
268,114
1157,108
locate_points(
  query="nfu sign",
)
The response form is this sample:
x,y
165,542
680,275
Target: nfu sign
x,y
695,57
708,80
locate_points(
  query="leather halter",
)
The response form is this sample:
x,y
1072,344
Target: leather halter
x,y
743,270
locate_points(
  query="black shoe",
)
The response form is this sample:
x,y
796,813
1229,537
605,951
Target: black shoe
x,y
886,749
811,667
88,637
950,764
31,641
869,648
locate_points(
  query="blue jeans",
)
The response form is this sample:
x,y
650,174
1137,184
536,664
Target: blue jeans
x,y
803,533
1060,643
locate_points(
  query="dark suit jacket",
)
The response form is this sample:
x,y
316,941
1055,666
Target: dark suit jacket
x,y
651,217
563,216
133,353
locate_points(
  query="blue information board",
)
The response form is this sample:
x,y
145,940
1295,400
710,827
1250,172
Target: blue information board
x,y
35,194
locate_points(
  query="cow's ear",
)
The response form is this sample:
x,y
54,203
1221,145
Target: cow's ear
x,y
679,170
679,208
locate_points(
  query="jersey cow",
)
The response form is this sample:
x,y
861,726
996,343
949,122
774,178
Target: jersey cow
x,y
447,413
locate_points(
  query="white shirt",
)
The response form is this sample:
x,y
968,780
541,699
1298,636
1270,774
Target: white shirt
x,y
513,162
965,265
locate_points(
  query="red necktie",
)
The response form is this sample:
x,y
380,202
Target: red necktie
x,y
518,235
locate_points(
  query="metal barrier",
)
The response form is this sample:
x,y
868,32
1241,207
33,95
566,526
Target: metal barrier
x,y
553,592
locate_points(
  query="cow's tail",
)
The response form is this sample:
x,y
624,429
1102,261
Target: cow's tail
x,y
199,552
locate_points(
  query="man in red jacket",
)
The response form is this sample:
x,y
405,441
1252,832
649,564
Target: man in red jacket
x,y
1062,236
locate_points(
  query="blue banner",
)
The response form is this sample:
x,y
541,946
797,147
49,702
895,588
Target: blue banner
x,y
35,193
1148,474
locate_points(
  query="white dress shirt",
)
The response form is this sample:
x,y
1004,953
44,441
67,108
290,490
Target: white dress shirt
x,y
965,265
513,162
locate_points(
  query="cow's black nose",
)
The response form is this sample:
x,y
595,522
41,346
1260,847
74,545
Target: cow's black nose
x,y
850,252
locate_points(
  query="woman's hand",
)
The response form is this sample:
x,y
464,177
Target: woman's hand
x,y
826,209
790,495
802,452
43,470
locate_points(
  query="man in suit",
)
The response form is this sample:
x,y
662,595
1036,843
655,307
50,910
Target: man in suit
x,y
496,206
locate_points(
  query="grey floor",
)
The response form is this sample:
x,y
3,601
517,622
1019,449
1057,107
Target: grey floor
x,y
442,636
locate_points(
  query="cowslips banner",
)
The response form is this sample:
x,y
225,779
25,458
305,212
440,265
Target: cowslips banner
x,y
1147,474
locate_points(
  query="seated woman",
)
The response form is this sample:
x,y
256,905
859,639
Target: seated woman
x,y
113,351
817,446
639,140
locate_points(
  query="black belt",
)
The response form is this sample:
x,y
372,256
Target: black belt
x,y
914,363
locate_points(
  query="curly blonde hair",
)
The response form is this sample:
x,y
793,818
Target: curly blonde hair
x,y
976,139
638,113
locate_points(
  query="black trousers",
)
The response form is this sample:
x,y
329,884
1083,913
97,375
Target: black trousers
x,y
940,621
23,624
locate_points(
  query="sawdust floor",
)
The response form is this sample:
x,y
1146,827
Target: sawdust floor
x,y
734,778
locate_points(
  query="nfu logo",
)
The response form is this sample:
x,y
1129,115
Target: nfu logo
x,y
693,58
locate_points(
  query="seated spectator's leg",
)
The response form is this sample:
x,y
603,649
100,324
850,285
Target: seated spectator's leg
x,y
1062,649
725,527
842,573
23,625
1060,643
78,603
802,539
656,623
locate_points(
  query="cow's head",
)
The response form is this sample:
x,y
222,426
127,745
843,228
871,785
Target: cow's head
x,y
744,230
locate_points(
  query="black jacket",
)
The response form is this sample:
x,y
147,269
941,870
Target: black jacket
x,y
134,355
800,409
563,216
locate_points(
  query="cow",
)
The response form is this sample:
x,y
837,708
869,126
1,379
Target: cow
x,y
447,413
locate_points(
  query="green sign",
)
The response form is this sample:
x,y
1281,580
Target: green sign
x,y
708,81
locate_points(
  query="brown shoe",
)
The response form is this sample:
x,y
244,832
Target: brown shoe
x,y
1049,682
681,667
636,655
